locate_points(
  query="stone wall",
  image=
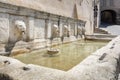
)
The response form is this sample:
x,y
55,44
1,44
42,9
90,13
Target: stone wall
x,y
4,27
39,25
111,5
77,9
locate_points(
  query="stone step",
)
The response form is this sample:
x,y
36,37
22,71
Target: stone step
x,y
106,37
102,31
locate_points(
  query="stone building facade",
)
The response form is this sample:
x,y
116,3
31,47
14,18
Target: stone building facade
x,y
40,16
110,11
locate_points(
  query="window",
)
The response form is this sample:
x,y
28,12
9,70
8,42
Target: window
x,y
104,2
111,3
59,0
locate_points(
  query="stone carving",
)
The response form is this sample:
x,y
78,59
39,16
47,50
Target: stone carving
x,y
55,31
19,31
65,32
81,31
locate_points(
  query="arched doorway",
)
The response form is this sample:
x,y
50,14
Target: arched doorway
x,y
108,16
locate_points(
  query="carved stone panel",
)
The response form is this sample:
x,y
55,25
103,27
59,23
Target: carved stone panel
x,y
4,27
30,35
55,31
72,29
39,30
13,18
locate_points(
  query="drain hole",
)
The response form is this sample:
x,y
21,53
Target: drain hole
x,y
113,44
7,62
103,56
26,68
111,47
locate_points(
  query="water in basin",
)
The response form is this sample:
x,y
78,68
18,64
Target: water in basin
x,y
69,55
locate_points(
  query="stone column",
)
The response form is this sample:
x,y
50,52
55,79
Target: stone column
x,y
61,28
30,30
4,27
76,28
48,33
48,23
4,32
99,16
69,28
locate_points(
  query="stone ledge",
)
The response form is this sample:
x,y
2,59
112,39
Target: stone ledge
x,y
102,64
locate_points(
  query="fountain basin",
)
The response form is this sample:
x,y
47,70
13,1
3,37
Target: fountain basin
x,y
52,51
70,55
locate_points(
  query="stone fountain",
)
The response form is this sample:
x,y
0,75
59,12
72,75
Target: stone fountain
x,y
55,33
52,51
17,33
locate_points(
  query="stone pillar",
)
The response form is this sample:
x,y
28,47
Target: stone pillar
x,y
61,28
4,27
69,28
48,23
30,30
46,28
76,25
48,33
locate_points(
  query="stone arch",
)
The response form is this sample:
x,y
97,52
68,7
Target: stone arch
x,y
108,16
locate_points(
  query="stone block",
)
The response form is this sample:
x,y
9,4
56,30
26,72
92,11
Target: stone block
x,y
4,27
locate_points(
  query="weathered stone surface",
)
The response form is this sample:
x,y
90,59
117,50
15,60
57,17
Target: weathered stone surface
x,y
92,68
38,24
77,9
17,31
4,27
20,71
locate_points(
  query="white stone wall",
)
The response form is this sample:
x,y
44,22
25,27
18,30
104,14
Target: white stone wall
x,y
30,29
86,13
4,27
39,25
12,19
72,29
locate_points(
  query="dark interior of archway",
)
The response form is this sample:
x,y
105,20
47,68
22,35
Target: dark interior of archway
x,y
108,17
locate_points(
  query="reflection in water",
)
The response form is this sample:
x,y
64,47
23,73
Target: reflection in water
x,y
70,55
